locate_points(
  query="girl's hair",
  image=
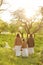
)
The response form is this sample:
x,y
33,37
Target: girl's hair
x,y
30,35
18,35
23,39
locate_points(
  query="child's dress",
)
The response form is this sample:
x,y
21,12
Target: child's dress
x,y
18,50
24,49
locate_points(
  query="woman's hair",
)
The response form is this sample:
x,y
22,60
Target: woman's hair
x,y
18,35
23,39
30,35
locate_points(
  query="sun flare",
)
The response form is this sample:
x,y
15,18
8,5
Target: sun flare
x,y
30,7
6,16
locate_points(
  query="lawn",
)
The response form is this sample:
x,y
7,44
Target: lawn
x,y
7,56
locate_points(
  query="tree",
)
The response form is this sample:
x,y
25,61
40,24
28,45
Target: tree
x,y
3,26
30,25
21,19
13,28
1,2
39,17
2,9
41,11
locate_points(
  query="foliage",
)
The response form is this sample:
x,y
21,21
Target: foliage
x,y
7,56
28,23
3,26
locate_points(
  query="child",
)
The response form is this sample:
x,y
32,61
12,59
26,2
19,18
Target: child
x,y
18,43
24,49
30,43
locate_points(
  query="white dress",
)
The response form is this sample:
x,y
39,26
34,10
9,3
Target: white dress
x,y
18,50
25,52
31,50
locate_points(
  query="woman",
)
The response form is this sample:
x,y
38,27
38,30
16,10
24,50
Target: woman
x,y
30,43
24,49
18,43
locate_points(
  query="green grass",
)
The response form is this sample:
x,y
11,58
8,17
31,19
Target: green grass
x,y
7,38
7,56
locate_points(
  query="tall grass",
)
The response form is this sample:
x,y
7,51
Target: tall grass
x,y
7,56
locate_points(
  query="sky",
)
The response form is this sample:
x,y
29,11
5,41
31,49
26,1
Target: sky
x,y
30,7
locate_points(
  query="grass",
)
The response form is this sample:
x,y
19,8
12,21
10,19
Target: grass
x,y
7,56
7,38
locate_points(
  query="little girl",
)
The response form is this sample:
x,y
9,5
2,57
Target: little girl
x,y
24,49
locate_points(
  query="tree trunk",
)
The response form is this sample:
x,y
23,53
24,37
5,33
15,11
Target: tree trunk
x,y
27,35
22,35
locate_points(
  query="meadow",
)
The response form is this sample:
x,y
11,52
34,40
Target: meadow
x,y
7,55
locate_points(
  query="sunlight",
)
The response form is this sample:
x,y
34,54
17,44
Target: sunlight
x,y
29,12
6,16
30,7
